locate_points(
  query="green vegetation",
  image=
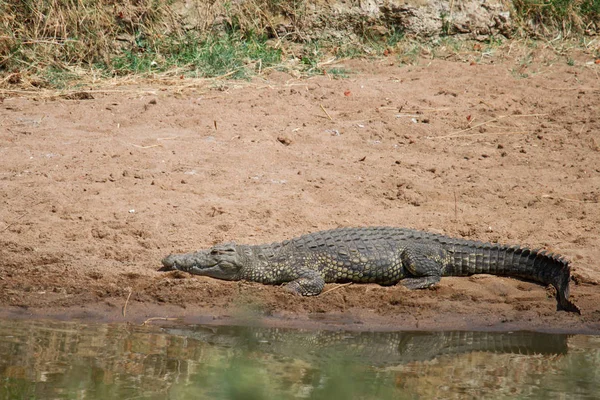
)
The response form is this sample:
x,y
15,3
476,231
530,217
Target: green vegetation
x,y
310,57
56,42
567,16
339,72
231,54
65,43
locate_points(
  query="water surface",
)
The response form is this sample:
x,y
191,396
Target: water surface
x,y
67,360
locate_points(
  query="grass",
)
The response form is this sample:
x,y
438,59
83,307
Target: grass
x,y
62,43
231,54
310,57
339,73
567,16
58,78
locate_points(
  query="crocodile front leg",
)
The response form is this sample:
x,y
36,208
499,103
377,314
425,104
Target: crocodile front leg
x,y
425,266
308,283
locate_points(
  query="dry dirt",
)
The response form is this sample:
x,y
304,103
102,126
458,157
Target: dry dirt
x,y
94,192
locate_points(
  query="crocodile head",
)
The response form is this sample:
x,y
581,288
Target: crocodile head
x,y
223,261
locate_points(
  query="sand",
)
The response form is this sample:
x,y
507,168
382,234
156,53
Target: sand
x,y
94,192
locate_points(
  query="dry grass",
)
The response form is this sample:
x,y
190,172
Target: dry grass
x,y
70,43
69,30
49,43
565,17
38,38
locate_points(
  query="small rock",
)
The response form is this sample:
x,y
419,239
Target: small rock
x,y
284,140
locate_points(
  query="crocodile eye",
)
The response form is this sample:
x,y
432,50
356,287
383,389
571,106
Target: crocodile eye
x,y
218,251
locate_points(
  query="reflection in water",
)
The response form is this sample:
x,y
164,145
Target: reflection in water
x,y
70,360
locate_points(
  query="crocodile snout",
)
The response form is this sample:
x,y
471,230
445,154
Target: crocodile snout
x,y
168,263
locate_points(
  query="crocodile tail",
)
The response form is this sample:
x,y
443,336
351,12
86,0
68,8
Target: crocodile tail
x,y
546,268
520,262
562,287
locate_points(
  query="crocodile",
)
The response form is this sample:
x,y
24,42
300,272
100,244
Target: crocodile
x,y
378,349
383,255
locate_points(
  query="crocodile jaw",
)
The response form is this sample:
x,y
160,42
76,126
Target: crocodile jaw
x,y
204,263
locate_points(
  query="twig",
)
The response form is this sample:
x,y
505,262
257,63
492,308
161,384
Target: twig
x,y
474,126
226,75
455,207
330,61
548,196
490,121
408,110
479,134
53,93
470,121
158,319
48,42
573,88
325,111
337,287
146,147
14,222
127,301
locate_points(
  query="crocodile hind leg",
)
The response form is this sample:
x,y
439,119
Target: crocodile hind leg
x,y
424,266
423,282
309,283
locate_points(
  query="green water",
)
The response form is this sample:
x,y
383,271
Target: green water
x,y
65,360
